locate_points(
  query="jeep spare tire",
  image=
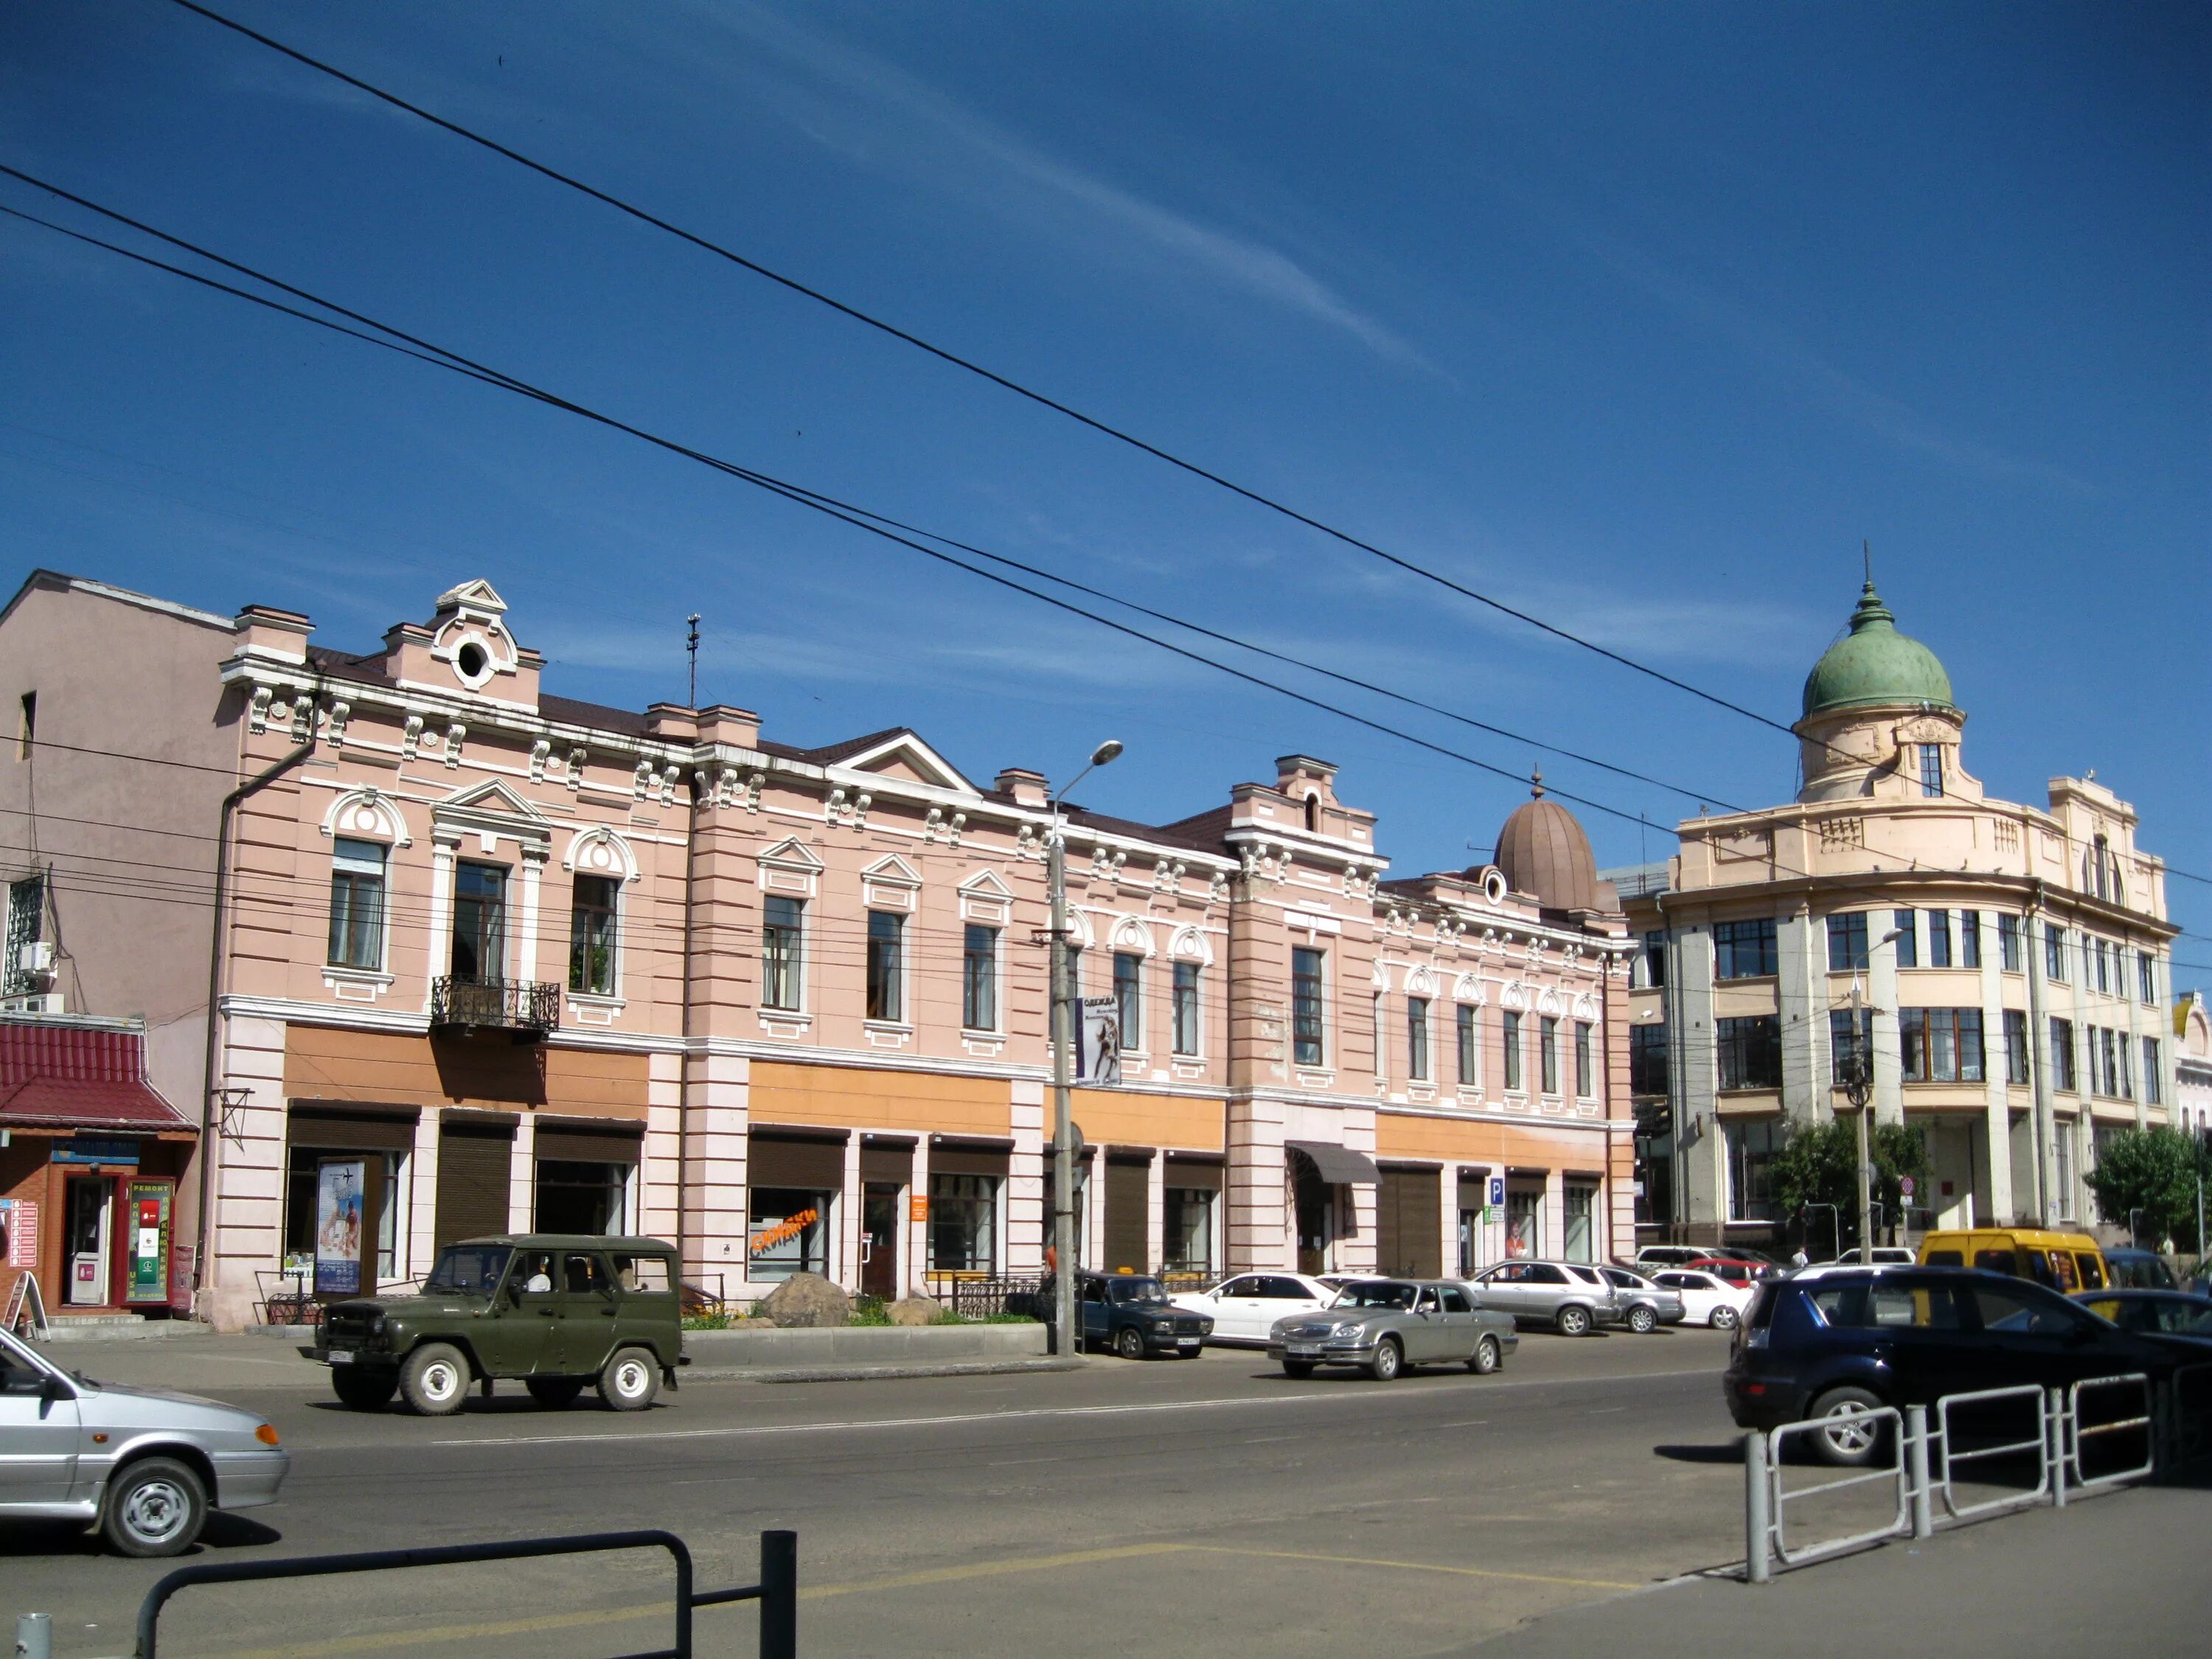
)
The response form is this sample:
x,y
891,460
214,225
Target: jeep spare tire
x,y
434,1380
630,1381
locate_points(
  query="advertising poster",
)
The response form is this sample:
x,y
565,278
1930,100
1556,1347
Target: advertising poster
x,y
340,1186
147,1278
1098,1044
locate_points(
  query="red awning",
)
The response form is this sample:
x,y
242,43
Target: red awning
x,y
54,1074
55,1102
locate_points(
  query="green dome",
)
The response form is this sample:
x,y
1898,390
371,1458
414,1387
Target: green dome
x,y
1874,664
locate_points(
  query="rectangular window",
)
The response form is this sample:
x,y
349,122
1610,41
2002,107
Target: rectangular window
x,y
963,1224
1908,939
2127,1088
2062,1055
979,978
1931,770
1847,942
1186,1222
27,924
2061,1168
1751,1148
1847,1048
1547,1051
1942,1045
2016,1033
1470,1058
1743,950
1750,1052
1306,1006
1184,1013
2054,953
27,727
1647,1060
592,936
2009,950
782,946
1417,1038
1970,939
479,923
1585,1081
2104,1075
1128,999
357,905
1578,1209
2154,1087
1376,1029
1939,938
2146,976
1513,1052
2103,958
1655,959
886,965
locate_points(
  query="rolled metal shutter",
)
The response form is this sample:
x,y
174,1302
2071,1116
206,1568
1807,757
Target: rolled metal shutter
x,y
474,1164
1409,1224
1128,1217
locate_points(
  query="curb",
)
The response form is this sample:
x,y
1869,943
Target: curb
x,y
869,1373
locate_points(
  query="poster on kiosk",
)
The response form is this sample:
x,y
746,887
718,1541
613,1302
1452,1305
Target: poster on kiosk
x,y
146,1264
341,1225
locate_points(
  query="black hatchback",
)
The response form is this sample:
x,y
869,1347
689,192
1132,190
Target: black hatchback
x,y
1830,1342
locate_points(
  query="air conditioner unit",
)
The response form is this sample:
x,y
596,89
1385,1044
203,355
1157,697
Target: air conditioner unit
x,y
44,1002
35,957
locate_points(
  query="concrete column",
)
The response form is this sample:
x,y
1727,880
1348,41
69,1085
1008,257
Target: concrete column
x,y
1993,1190
1803,1004
528,877
1027,1224
248,1180
716,1117
438,939
917,1231
660,1173
423,1208
1156,1208
1882,994
1257,1218
1691,957
845,1247
522,1178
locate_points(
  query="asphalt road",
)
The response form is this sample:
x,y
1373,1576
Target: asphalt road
x,y
1212,1506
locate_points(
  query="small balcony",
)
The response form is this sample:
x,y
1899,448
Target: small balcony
x,y
525,1009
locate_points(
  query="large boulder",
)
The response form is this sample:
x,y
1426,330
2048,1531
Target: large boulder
x,y
914,1311
807,1300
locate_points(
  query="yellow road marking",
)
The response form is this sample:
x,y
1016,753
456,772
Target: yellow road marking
x,y
372,1644
1411,1566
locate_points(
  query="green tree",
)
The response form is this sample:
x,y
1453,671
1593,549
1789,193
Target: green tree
x,y
1819,1164
2155,1171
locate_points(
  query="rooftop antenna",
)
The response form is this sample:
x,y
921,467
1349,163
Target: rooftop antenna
x,y
691,645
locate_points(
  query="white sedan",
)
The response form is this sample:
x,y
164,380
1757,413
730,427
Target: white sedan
x,y
1244,1309
1707,1298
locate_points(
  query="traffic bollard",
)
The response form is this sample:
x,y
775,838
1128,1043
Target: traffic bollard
x,y
1915,1471
34,1635
2055,1419
1758,1565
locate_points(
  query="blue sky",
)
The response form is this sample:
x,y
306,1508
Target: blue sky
x,y
1638,318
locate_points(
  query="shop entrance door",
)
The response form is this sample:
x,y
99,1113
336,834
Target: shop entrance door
x,y
1316,1208
91,1198
879,1239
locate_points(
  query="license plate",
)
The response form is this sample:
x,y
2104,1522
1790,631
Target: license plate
x,y
1307,1352
340,1357
1188,1342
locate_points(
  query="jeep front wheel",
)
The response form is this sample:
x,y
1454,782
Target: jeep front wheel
x,y
631,1380
435,1381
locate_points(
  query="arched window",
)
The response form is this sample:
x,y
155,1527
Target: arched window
x,y
2100,856
1313,814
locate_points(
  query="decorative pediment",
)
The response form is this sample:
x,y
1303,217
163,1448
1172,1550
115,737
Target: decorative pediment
x,y
1191,945
1132,933
891,870
904,755
986,883
1467,987
791,867
490,798
478,595
793,853
1421,983
600,852
367,812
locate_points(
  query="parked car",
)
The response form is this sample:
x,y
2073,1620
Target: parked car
x,y
1245,1308
1571,1297
1833,1343
1707,1298
1645,1304
1885,1255
1130,1314
1388,1325
2131,1269
1654,1256
142,1465
2062,1261
2175,1313
554,1311
1739,1270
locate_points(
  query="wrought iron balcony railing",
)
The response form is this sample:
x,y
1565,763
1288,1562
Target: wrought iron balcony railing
x,y
527,1008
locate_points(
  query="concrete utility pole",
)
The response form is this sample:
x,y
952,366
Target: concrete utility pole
x,y
1858,1087
1063,1037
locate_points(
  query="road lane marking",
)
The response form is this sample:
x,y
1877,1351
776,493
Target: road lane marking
x,y
389,1640
1411,1566
1349,1397
989,1569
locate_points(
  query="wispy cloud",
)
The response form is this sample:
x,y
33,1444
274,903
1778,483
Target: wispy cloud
x,y
883,116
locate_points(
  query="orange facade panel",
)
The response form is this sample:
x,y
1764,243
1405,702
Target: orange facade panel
x,y
1113,1117
856,1097
1450,1140
325,1062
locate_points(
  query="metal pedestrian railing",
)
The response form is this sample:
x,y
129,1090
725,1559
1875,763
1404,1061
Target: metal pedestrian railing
x,y
2174,1418
777,1592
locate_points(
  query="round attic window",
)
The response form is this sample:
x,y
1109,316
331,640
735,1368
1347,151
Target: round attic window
x,y
473,661
1493,886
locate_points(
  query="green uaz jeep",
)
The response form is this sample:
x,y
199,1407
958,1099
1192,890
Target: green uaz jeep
x,y
555,1310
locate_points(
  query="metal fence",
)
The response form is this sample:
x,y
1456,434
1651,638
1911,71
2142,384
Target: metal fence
x,y
1922,1463
980,1298
777,1592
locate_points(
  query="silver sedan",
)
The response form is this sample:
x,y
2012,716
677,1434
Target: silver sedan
x,y
142,1465
1387,1326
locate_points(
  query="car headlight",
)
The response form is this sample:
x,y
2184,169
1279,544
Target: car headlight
x,y
1206,1327
376,1326
1163,1324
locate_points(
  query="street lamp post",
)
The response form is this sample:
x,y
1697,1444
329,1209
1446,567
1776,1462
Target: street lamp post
x,y
1063,1134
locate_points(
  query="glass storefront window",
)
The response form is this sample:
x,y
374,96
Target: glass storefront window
x,y
1188,1213
582,1197
1524,1235
788,1233
963,1224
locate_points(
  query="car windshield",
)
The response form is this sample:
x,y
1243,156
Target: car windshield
x,y
468,1270
1138,1290
1379,1295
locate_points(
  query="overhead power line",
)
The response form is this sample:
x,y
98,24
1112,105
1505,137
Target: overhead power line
x,y
1043,400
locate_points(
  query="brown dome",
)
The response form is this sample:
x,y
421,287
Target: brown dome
x,y
1544,852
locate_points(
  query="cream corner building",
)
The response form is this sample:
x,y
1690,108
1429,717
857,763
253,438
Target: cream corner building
x,y
2015,961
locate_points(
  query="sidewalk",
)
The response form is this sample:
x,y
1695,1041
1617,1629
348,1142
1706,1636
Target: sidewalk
x,y
2126,1572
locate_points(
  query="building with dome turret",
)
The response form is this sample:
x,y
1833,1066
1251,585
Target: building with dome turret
x,y
2012,961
